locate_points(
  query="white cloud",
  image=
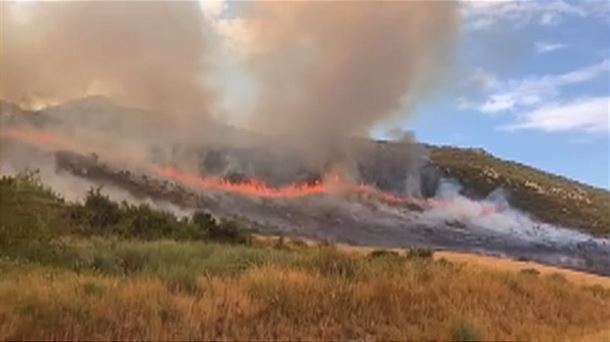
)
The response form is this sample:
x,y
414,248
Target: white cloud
x,y
586,114
531,91
483,14
544,47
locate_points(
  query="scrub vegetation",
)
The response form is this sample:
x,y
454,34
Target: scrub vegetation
x,y
113,271
549,198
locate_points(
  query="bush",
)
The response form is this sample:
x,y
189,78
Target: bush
x,y
204,220
30,213
463,331
382,253
33,215
420,253
228,231
529,271
99,211
144,222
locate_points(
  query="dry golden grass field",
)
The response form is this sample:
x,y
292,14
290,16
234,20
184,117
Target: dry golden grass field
x,y
302,293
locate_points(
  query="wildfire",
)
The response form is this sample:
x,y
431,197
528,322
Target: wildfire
x,y
330,184
37,137
250,187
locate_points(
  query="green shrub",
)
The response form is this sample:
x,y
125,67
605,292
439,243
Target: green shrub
x,y
204,220
382,253
30,213
463,331
228,231
420,253
99,211
144,222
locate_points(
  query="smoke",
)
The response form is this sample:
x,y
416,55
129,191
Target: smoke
x,y
325,71
328,71
494,215
148,55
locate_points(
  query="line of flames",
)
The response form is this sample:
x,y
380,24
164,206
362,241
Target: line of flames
x,y
252,187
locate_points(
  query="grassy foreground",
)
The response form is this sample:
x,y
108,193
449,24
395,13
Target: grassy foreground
x,y
110,289
105,271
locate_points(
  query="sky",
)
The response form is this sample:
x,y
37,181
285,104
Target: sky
x,y
530,84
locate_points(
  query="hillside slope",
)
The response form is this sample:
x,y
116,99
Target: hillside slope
x,y
550,198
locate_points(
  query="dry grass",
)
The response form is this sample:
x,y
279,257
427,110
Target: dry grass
x,y
426,302
514,266
476,260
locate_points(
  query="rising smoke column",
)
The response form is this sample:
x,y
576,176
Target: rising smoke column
x,y
146,54
330,70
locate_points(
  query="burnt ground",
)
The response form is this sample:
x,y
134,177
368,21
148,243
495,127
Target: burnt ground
x,y
362,220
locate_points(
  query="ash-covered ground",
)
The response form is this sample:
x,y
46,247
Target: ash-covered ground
x,y
459,223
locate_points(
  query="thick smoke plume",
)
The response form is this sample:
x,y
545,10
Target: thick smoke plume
x,y
327,71
143,54
324,71
150,57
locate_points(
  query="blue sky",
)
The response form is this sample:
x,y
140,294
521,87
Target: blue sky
x,y
532,86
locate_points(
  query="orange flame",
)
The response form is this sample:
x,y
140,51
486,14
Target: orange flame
x,y
37,137
250,187
331,183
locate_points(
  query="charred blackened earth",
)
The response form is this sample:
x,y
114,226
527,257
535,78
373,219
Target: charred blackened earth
x,y
489,225
458,226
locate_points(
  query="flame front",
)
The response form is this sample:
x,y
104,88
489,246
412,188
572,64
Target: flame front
x,y
331,184
250,187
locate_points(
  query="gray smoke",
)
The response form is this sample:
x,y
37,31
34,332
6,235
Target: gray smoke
x,y
328,71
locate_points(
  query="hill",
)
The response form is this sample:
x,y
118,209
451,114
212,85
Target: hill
x,y
550,198
105,270
547,197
